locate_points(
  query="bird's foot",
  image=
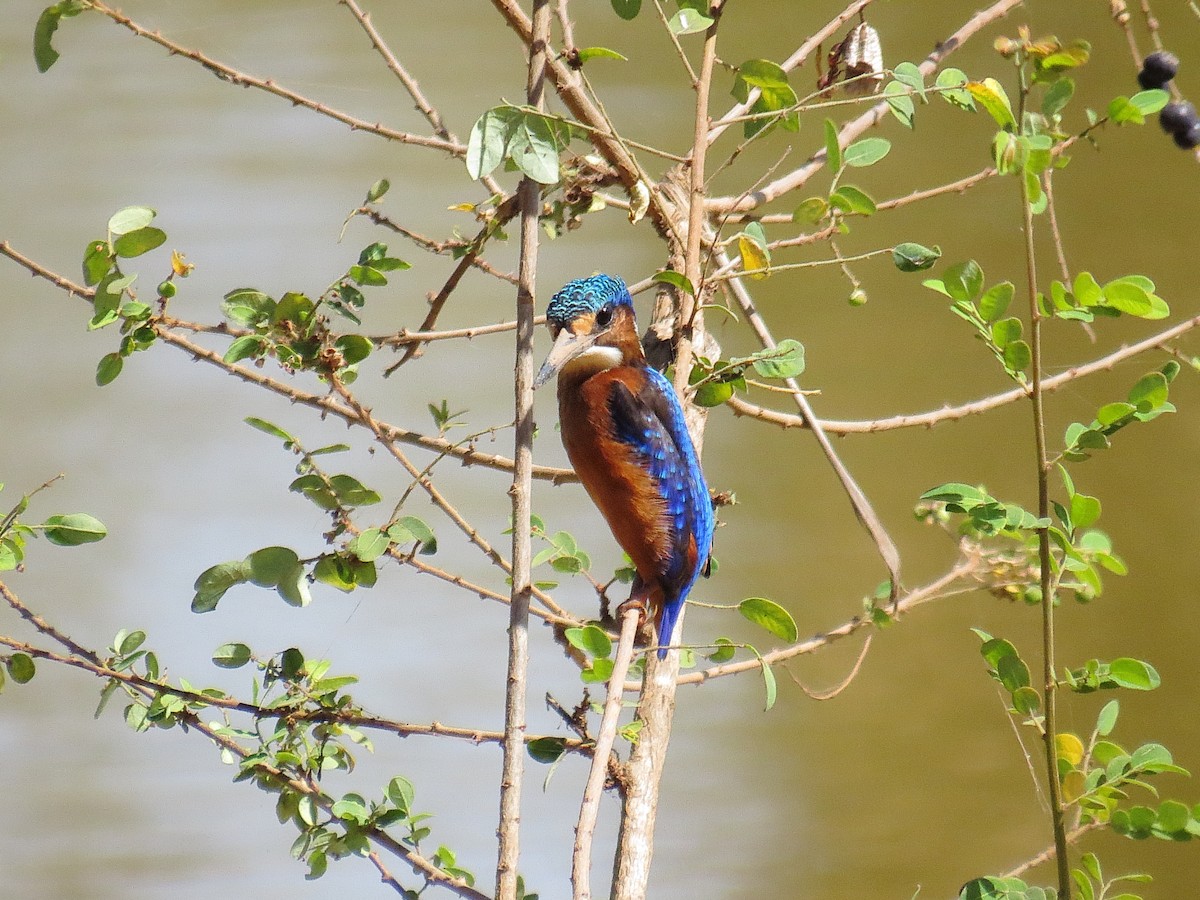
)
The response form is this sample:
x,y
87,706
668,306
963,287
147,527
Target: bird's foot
x,y
638,605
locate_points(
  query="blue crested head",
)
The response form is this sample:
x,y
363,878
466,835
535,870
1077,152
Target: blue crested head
x,y
585,295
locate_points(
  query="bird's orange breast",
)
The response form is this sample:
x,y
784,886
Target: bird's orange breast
x,y
608,468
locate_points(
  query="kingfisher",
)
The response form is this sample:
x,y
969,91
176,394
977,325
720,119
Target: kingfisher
x,y
625,434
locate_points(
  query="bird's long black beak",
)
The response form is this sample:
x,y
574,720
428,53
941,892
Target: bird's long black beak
x,y
567,346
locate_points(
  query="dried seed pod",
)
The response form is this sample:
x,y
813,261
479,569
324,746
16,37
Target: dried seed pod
x,y
862,59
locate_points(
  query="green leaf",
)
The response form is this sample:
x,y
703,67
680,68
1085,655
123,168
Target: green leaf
x,y
1150,102
21,668
75,529
401,793
1026,701
245,347
811,211
724,651
867,152
775,95
370,545
129,219
351,808
1134,674
533,149
688,21
627,9
1085,510
994,303
1122,112
964,281
900,102
769,615
1057,97
956,493
1128,298
376,191
109,368
1006,331
1017,356
354,348
768,683
953,82
713,393
488,141
248,307
268,566
547,749
588,53
352,492
293,587
833,151
213,582
1111,413
270,428
910,257
368,276
786,360
1107,720
135,243
910,75
850,199
1173,817
599,672
1150,392
591,639
231,656
97,262
676,279
408,529
1012,672
44,54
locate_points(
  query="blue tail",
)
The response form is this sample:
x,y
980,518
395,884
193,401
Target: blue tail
x,y
666,624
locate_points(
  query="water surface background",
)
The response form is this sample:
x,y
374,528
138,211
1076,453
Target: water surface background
x,y
913,777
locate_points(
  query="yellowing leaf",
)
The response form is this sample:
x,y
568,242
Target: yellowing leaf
x,y
754,257
1069,747
990,94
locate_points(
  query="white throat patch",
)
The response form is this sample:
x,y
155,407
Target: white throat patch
x,y
593,360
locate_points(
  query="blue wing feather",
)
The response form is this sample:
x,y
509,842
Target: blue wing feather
x,y
651,422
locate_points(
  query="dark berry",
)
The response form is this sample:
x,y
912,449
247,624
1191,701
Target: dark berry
x,y
1177,116
1157,69
1189,139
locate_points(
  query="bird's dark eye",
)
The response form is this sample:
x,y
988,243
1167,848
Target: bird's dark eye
x,y
604,316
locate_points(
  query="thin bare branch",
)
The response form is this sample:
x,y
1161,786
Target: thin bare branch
x,y
952,413
529,196
87,659
858,500
589,810
442,248
855,127
944,586
233,76
796,60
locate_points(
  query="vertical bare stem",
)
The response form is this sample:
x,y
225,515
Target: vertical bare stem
x,y
688,311
518,627
635,845
589,809
1049,732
